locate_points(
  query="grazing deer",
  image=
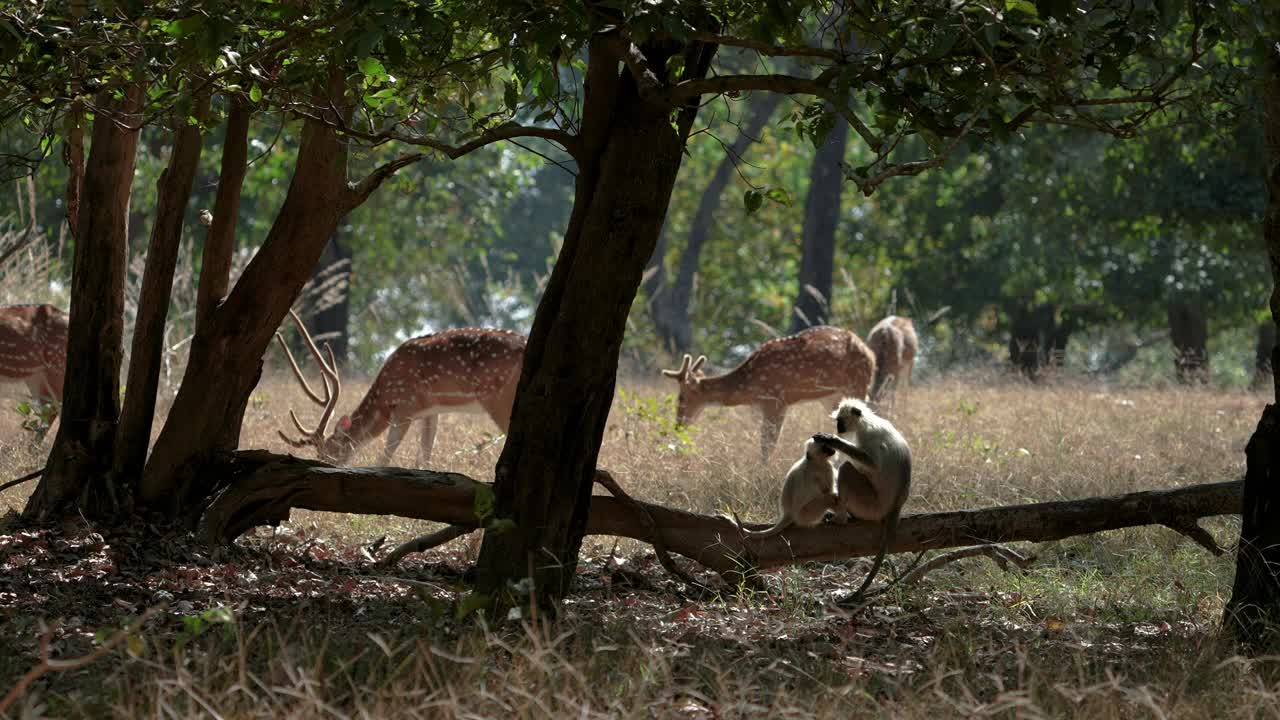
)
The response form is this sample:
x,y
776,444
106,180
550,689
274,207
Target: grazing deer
x,y
894,342
33,349
821,363
460,370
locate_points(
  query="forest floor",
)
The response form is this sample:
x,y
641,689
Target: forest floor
x,y
297,621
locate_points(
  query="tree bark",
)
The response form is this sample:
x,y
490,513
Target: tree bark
x,y
220,240
329,324
1189,331
261,488
173,191
669,304
1253,613
76,472
630,156
821,219
1030,334
1263,370
226,353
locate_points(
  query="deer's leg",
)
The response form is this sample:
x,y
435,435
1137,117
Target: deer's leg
x,y
498,407
395,433
427,438
771,424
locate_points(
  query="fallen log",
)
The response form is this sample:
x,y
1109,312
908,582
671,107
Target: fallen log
x,y
261,488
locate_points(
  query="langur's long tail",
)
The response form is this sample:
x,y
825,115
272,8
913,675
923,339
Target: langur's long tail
x,y
886,535
777,527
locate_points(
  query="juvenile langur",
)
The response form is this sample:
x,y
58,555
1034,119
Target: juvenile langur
x,y
875,482
808,492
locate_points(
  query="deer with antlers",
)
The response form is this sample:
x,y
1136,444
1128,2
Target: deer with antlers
x,y
894,342
821,363
33,348
459,370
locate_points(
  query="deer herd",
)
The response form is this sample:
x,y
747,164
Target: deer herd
x,y
477,370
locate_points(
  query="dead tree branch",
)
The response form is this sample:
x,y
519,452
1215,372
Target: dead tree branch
x,y
262,487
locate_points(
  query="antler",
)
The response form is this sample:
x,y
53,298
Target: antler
x,y
332,387
683,372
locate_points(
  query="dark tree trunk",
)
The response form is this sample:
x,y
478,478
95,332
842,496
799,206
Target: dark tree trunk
x,y
1031,335
1189,331
226,352
330,323
83,449
821,218
669,304
173,191
1263,370
220,241
73,157
1253,613
629,159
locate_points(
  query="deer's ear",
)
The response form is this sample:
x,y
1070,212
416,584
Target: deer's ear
x,y
344,424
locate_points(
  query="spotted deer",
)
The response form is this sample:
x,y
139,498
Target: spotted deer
x,y
33,349
821,363
894,342
453,371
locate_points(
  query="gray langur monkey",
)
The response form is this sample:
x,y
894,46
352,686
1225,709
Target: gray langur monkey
x,y
874,484
808,492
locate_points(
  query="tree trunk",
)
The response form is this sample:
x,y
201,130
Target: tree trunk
x,y
821,219
262,488
82,452
329,324
225,361
669,305
1253,613
220,240
1031,331
1189,331
1263,370
629,159
173,191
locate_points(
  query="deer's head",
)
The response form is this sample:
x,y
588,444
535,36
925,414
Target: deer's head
x,y
691,400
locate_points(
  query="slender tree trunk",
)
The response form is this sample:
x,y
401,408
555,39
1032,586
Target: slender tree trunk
x,y
225,361
173,191
631,154
220,241
330,323
1263,370
1031,335
669,304
821,218
83,449
73,157
1253,613
1189,330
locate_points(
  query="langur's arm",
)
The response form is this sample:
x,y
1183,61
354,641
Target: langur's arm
x,y
839,444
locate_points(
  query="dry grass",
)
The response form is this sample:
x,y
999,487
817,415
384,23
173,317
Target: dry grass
x,y
1123,624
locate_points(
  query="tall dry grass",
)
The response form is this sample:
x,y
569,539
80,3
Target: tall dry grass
x,y
1121,624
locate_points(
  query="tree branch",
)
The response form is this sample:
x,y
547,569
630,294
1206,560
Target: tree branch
x,y
771,50
264,487
357,193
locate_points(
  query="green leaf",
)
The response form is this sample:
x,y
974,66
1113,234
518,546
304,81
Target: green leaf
x,y
372,69
255,93
779,195
1022,6
484,503
510,95
752,200
1109,73
470,604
